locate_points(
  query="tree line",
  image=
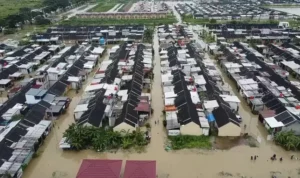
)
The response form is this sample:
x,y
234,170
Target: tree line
x,y
288,140
27,15
100,139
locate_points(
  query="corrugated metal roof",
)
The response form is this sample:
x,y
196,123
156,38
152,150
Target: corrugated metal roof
x,y
140,169
92,168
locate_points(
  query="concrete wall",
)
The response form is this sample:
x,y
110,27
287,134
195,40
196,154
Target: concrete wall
x,y
124,126
191,129
31,99
229,129
294,127
77,115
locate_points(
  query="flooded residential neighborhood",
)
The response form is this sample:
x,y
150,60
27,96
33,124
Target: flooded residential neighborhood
x,y
226,87
231,162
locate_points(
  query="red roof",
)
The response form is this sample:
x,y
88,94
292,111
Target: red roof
x,y
95,168
143,107
267,113
140,169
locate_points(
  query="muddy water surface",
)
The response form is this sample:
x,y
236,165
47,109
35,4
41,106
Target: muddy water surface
x,y
53,162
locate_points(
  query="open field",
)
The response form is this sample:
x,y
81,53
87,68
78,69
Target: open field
x,y
95,21
127,6
103,7
13,6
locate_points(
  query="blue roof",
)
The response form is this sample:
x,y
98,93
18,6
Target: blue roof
x,y
102,41
210,117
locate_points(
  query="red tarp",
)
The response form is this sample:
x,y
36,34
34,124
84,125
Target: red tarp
x,y
144,107
267,113
140,169
95,168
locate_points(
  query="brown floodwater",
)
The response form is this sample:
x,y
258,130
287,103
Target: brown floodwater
x,y
53,162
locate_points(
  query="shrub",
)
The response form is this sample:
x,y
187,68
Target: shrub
x,y
189,141
17,117
100,139
288,140
148,126
165,123
8,31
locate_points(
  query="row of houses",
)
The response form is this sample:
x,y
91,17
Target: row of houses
x,y
187,80
37,107
261,34
231,11
124,15
144,6
285,56
90,34
264,87
118,95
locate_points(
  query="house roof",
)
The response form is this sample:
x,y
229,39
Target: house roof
x,y
285,117
223,115
36,92
128,115
99,169
95,110
188,113
15,134
37,112
5,151
143,106
140,169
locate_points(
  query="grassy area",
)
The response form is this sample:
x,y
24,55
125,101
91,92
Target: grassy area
x,y
127,6
103,7
94,21
25,30
188,141
9,7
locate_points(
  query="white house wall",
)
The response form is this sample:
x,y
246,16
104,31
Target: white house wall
x,y
233,105
31,99
230,130
294,127
77,115
125,127
53,76
191,129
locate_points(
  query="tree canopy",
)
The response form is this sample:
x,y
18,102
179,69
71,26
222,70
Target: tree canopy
x,y
288,140
100,139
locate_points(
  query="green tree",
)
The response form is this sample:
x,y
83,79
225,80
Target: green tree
x,y
288,140
26,13
13,20
148,34
40,20
212,21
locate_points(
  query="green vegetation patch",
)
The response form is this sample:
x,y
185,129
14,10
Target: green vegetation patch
x,y
103,7
187,141
9,7
100,139
95,21
288,140
127,6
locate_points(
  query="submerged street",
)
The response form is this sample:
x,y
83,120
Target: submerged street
x,y
52,162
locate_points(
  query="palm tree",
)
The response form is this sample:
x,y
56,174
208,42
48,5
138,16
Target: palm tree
x,y
148,35
287,139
